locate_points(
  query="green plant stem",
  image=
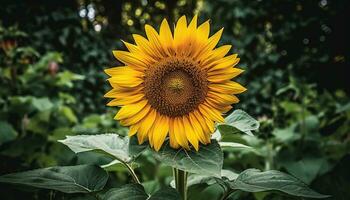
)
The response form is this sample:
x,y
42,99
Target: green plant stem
x,y
181,182
133,174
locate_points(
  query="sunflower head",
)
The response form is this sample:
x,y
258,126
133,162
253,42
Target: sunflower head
x,y
174,85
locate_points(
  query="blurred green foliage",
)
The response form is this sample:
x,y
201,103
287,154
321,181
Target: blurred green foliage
x,y
294,53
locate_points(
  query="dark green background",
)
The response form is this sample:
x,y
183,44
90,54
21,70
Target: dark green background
x,y
295,55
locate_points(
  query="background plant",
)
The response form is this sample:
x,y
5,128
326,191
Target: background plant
x,y
294,53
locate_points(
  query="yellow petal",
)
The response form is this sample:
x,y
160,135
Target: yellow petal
x,y
224,75
180,134
154,40
207,125
122,70
218,105
190,134
123,91
145,126
160,131
226,62
193,24
133,129
203,32
211,113
213,40
229,87
137,117
125,81
172,139
216,54
124,100
130,110
223,98
190,40
146,46
166,37
180,34
124,76
210,45
130,59
137,52
198,128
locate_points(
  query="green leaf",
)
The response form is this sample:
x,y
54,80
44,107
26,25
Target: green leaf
x,y
110,144
7,132
241,121
66,78
311,167
137,192
69,114
253,180
208,160
286,134
68,179
42,104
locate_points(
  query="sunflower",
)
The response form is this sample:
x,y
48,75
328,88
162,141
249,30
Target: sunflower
x,y
174,85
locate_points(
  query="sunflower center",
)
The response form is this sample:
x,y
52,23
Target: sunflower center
x,y
175,86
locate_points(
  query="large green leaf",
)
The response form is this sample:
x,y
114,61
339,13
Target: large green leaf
x,y
237,122
111,144
68,179
208,160
253,180
137,192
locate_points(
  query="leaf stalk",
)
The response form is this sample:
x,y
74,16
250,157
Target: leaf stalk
x,y
180,177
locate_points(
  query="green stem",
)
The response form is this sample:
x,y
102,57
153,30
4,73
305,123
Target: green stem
x,y
181,182
133,174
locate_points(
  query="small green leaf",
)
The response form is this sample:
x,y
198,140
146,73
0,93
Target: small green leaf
x,y
42,104
110,144
208,160
69,114
239,121
68,179
7,132
253,180
286,134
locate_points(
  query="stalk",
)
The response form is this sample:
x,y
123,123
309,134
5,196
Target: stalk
x,y
181,182
133,174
